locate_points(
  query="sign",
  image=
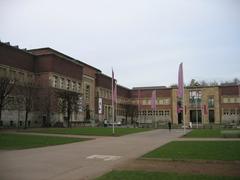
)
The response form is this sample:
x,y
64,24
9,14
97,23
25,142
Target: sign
x,y
100,106
104,157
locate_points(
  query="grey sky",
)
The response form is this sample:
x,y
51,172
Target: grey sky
x,y
143,40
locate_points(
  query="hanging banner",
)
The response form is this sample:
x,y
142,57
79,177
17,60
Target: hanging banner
x,y
99,105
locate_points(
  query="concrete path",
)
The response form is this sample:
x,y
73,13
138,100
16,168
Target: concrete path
x,y
81,160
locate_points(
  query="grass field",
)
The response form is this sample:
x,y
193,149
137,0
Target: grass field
x,y
212,133
90,131
19,141
200,150
204,133
140,175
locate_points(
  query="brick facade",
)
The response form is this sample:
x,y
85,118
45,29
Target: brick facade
x,y
52,70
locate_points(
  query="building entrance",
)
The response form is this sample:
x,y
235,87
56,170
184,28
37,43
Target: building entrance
x,y
211,116
195,116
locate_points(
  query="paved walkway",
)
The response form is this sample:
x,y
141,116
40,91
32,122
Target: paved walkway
x,y
81,160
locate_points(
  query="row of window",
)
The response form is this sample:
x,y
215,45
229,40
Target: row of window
x,y
87,92
231,100
108,111
16,74
107,94
153,113
64,83
231,112
198,101
20,123
159,101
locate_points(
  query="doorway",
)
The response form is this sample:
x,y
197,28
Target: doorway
x,y
193,114
180,117
211,116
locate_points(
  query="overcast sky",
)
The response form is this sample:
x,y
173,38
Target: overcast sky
x,y
143,40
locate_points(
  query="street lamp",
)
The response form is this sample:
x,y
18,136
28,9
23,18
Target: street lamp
x,y
196,103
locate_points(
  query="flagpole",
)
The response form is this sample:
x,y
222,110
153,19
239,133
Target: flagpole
x,y
138,107
184,110
155,118
196,106
113,130
155,108
116,98
181,93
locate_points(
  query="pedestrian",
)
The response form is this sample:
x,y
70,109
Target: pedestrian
x,y
169,126
105,123
190,125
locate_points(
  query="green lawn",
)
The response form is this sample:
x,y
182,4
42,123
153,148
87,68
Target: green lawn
x,y
200,150
90,131
213,133
141,175
19,141
204,133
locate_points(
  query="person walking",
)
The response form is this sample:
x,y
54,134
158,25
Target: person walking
x,y
169,126
190,125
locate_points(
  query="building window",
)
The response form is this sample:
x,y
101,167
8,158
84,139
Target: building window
x,y
74,86
62,83
211,102
87,92
232,112
225,112
166,101
11,123
3,71
232,100
144,113
166,113
238,112
20,123
149,113
1,123
55,81
160,113
68,84
195,97
238,100
79,87
225,100
161,102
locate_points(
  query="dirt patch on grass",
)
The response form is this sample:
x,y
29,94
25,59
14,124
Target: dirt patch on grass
x,y
210,168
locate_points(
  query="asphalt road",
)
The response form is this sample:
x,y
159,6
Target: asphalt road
x,y
81,160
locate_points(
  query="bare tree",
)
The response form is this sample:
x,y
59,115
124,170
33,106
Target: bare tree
x,y
236,81
68,103
28,92
45,105
194,83
6,87
214,83
203,83
131,111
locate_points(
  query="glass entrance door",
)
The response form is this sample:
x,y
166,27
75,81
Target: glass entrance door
x,y
195,116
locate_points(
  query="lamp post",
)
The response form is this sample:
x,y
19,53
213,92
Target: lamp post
x,y
196,102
